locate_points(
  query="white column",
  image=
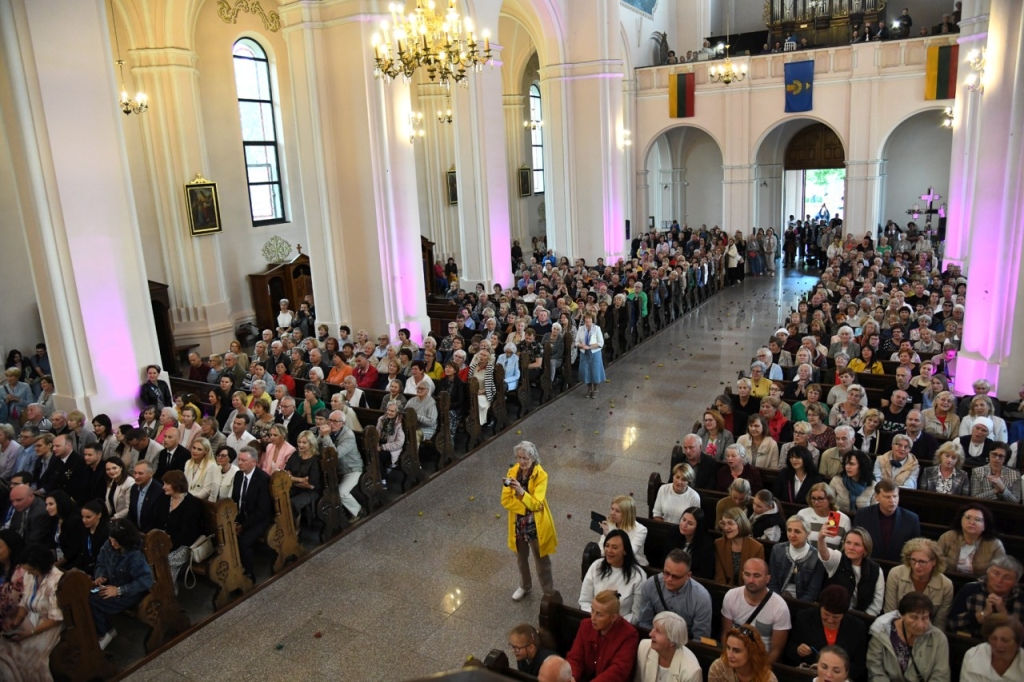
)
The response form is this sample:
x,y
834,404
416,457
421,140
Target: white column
x,y
641,206
175,140
738,200
768,197
365,234
482,172
518,155
993,230
435,153
74,193
862,209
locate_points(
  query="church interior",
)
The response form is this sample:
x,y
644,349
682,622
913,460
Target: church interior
x,y
178,177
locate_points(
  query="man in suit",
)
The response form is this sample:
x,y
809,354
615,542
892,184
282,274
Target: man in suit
x,y
149,505
291,421
880,32
889,526
173,456
925,443
71,470
30,519
251,492
46,469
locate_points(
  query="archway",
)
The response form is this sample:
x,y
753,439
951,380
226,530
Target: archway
x,y
684,177
915,156
799,163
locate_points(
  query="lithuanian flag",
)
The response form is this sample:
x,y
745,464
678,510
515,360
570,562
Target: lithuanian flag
x,y
940,72
680,95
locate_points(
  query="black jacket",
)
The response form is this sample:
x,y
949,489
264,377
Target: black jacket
x,y
171,461
185,524
257,510
906,526
34,524
73,476
808,629
154,507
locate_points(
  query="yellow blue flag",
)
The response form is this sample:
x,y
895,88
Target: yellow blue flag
x,y
799,86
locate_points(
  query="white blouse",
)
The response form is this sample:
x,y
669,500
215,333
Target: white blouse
x,y
637,538
670,505
629,592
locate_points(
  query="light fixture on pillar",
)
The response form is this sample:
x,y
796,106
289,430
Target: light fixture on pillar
x,y
948,118
727,73
446,115
975,82
625,139
443,43
416,131
533,125
129,106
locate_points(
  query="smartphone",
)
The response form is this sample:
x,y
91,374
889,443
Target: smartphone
x,y
96,590
834,519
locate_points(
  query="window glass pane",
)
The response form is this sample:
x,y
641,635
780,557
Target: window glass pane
x,y
257,121
262,200
261,162
538,182
538,158
247,77
537,137
535,109
249,48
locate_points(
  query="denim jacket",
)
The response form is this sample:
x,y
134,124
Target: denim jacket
x,y
127,570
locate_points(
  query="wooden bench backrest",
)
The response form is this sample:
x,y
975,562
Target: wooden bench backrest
x,y
224,567
77,655
328,507
282,536
159,609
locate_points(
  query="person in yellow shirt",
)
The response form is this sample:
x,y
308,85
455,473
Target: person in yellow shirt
x,y
867,362
760,385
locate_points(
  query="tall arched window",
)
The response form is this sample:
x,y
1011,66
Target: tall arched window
x,y
537,141
259,132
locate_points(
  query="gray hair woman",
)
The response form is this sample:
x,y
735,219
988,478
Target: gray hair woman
x,y
665,656
531,528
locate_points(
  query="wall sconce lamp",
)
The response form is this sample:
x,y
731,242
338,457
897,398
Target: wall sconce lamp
x,y
975,82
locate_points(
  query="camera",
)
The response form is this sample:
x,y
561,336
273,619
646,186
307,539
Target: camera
x,y
507,482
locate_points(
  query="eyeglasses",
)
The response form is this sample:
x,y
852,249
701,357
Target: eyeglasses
x,y
674,576
974,519
334,421
921,562
517,649
818,498
998,456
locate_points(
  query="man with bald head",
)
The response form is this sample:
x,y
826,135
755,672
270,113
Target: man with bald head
x,y
771,619
555,669
705,468
173,457
30,519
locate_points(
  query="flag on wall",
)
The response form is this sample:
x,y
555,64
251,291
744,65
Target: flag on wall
x,y
940,72
799,79
680,95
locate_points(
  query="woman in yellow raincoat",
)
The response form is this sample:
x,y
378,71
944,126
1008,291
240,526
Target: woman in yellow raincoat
x,y
530,526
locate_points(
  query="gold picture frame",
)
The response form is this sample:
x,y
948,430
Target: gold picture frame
x,y
453,187
202,204
525,182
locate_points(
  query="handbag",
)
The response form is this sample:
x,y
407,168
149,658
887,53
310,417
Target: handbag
x,y
200,551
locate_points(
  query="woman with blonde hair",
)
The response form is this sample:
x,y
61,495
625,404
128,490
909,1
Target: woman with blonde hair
x,y
622,516
869,436
676,497
982,406
947,476
200,470
941,419
921,571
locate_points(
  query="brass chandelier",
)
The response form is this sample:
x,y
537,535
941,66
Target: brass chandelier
x,y
445,44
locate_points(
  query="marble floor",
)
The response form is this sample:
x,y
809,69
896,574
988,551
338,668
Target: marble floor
x,y
428,582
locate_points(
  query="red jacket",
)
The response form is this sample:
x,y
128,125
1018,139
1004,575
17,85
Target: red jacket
x,y
604,658
367,379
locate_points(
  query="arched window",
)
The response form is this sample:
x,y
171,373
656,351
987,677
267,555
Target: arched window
x,y
537,141
259,132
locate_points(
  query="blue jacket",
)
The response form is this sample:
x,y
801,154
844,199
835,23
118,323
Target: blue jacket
x,y
22,392
808,579
128,570
511,365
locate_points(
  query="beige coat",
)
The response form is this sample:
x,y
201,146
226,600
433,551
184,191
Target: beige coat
x,y
939,589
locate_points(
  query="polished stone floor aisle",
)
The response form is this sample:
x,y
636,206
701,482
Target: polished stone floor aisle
x,y
423,585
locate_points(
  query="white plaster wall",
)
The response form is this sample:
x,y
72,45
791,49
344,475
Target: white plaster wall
x,y
240,241
640,48
917,156
20,326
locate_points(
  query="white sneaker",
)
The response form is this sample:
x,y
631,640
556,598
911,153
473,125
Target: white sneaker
x,y
107,638
519,594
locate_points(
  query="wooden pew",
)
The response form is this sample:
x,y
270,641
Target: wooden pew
x,y
224,567
159,609
497,661
499,408
369,486
77,656
473,427
442,441
282,536
328,507
409,460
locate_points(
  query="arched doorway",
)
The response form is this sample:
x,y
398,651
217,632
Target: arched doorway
x,y
800,165
916,155
684,177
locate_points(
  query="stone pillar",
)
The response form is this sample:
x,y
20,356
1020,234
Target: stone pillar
x,y
863,205
73,188
364,226
768,197
641,207
518,155
738,202
482,173
435,153
994,229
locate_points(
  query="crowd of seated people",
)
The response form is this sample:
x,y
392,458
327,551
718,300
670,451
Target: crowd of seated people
x,y
808,500
86,497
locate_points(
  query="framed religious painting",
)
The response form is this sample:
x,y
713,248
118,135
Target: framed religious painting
x,y
453,187
202,204
525,189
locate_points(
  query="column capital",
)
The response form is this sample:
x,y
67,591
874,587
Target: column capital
x,y
601,68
